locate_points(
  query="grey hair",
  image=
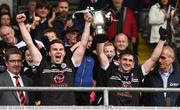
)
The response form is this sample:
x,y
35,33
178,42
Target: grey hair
x,y
6,27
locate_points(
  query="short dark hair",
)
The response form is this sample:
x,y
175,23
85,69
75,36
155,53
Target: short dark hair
x,y
161,5
127,52
10,51
50,30
63,1
72,29
42,3
2,14
5,6
56,41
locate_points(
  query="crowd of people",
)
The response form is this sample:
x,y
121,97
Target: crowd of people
x,y
48,48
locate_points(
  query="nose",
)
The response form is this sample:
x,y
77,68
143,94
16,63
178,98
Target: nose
x,y
17,62
58,51
29,57
160,60
128,62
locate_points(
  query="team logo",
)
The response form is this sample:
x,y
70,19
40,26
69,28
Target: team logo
x,y
34,70
63,65
126,84
59,78
173,84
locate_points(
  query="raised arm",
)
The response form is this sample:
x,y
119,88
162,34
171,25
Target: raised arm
x,y
35,53
103,60
154,57
156,53
79,52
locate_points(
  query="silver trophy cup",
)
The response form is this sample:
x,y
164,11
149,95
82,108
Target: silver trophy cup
x,y
99,19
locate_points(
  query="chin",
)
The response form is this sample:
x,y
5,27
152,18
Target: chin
x,y
59,62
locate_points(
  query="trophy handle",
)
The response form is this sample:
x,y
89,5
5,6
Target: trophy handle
x,y
88,9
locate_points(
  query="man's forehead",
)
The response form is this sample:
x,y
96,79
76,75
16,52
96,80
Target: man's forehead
x,y
63,4
5,29
15,56
57,45
73,32
127,56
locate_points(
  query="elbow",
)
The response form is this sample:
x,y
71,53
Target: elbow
x,y
37,61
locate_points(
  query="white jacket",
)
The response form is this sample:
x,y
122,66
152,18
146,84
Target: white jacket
x,y
156,20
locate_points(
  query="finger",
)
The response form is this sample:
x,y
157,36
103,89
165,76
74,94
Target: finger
x,y
21,16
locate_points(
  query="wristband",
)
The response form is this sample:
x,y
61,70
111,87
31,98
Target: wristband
x,y
101,38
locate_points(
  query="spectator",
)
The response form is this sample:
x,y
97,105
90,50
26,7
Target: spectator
x,y
31,71
71,36
65,66
5,19
121,43
162,14
9,39
123,22
31,8
49,35
4,8
62,20
109,50
13,60
42,11
164,75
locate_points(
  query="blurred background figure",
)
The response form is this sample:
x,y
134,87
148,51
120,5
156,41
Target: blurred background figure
x,y
31,8
5,19
4,8
162,14
123,22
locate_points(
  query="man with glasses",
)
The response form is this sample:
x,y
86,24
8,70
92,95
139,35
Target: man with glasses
x,y
12,78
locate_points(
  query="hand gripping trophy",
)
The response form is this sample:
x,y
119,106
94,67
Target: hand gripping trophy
x,y
100,18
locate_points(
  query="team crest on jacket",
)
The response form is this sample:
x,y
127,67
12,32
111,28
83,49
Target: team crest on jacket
x,y
63,65
59,78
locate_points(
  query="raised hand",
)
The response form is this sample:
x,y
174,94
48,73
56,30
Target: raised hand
x,y
20,18
88,17
163,33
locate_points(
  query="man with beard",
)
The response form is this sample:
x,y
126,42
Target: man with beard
x,y
61,20
59,72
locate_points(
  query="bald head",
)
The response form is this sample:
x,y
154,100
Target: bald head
x,y
166,59
169,51
7,34
121,42
6,28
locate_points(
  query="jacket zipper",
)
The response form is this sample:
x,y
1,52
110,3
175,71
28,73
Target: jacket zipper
x,y
83,72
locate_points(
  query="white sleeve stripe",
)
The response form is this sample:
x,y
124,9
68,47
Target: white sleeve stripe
x,y
143,70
